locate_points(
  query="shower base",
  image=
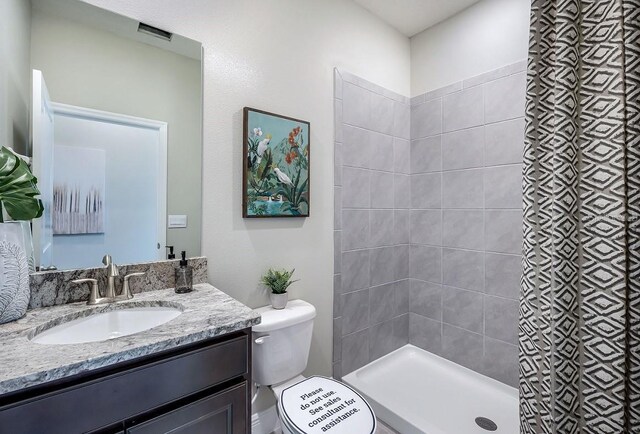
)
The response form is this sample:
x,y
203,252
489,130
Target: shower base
x,y
414,391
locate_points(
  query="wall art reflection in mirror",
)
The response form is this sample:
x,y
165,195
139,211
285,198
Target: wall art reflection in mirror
x,y
276,165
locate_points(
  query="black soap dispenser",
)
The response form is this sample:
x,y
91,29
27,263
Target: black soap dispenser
x,y
184,276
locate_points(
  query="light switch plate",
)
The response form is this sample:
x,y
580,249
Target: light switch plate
x,y
177,221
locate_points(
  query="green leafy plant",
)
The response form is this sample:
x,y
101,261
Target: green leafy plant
x,y
277,280
18,188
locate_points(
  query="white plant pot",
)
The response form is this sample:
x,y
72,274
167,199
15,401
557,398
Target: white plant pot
x,y
16,247
279,301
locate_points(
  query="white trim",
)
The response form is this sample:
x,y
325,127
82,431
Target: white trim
x,y
120,119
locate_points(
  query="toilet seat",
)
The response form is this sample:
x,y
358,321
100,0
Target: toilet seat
x,y
323,405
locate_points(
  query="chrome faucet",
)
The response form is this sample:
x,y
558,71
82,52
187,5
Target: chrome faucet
x,y
112,273
110,291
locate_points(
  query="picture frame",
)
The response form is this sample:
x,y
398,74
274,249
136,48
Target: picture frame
x,y
276,165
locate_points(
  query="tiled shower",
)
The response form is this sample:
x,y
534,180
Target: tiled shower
x,y
428,220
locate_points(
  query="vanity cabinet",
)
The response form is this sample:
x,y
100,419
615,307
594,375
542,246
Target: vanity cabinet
x,y
199,388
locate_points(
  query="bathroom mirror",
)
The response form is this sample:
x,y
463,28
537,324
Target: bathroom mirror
x,y
116,137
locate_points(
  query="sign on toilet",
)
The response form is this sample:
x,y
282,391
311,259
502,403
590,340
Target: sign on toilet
x,y
324,405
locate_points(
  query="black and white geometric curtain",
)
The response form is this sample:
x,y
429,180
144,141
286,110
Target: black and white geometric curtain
x,y
580,304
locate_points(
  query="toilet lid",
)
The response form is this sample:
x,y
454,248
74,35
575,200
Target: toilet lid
x,y
324,405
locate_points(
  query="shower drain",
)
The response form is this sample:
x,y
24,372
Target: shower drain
x,y
487,424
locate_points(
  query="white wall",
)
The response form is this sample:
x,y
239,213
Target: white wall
x,y
486,36
276,55
15,74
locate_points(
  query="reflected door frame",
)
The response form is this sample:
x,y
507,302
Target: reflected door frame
x,y
161,128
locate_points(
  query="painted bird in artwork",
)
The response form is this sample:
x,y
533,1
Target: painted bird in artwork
x,y
282,177
262,146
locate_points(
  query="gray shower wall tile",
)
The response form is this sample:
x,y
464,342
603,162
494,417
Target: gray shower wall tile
x,y
356,188
402,296
426,155
425,298
502,275
417,100
401,255
501,361
382,265
401,156
402,191
337,252
337,119
337,164
355,311
477,193
425,333
381,340
463,109
355,351
426,227
503,187
381,152
382,230
463,189
426,191
337,84
463,309
501,319
463,149
357,149
401,120
503,231
504,142
337,339
382,190
372,167
463,229
401,226
382,114
505,98
463,269
337,295
400,331
462,347
355,270
356,229
356,105
382,303
426,119
337,208
426,263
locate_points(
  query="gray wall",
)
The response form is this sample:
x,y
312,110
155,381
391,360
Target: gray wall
x,y
15,74
432,227
92,68
371,286
466,221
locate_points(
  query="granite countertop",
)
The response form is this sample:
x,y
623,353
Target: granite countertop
x,y
206,312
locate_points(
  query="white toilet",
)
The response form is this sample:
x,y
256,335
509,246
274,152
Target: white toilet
x,y
311,405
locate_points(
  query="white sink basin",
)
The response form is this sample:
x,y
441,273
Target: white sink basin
x,y
107,325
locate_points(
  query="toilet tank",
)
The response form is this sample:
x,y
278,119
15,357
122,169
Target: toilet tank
x,y
281,342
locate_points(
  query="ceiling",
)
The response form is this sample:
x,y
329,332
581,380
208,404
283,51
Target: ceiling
x,y
413,16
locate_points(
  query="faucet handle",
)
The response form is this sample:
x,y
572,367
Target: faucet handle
x,y
106,260
126,290
94,294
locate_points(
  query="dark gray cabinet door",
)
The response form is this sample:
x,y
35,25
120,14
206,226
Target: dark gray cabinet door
x,y
222,413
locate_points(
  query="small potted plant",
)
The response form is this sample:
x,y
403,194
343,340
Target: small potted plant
x,y
278,281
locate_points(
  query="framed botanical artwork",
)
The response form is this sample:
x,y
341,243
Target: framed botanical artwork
x,y
276,165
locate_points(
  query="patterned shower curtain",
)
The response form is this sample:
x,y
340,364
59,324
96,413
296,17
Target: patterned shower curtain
x,y
580,304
